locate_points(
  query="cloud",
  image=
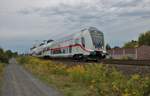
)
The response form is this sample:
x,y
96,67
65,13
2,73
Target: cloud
x,y
45,19
127,3
85,12
136,12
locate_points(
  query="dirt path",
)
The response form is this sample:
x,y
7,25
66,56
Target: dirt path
x,y
18,82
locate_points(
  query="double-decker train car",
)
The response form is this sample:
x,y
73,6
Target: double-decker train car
x,y
39,50
86,44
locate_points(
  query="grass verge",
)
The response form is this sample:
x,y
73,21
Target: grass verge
x,y
2,65
87,80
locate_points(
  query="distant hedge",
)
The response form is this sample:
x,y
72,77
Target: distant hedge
x,y
6,55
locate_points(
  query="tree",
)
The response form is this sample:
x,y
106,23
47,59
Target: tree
x,y
131,44
15,54
1,50
6,55
1,54
144,39
9,53
108,47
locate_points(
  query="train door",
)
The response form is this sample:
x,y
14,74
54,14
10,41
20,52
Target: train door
x,y
76,47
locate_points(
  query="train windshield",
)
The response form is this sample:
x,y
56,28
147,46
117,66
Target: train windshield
x,y
97,38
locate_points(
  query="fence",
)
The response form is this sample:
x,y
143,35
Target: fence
x,y
140,53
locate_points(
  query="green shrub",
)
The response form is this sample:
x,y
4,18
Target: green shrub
x,y
2,65
23,59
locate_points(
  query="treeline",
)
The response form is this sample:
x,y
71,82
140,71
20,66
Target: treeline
x,y
143,39
6,55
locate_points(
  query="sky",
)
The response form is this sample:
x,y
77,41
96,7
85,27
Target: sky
x,y
24,22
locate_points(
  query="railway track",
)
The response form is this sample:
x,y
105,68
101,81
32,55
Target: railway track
x,y
108,61
128,62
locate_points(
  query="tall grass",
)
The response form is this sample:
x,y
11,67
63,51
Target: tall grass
x,y
1,74
88,80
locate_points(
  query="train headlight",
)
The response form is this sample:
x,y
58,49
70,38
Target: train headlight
x,y
104,52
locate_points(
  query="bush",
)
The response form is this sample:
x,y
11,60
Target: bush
x,y
1,73
1,68
42,66
6,55
23,60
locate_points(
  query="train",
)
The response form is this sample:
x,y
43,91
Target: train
x,y
87,44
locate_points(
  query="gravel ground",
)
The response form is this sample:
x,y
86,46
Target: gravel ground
x,y
130,70
18,82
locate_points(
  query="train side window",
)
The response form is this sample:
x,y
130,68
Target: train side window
x,y
83,41
76,41
63,50
51,51
66,50
70,49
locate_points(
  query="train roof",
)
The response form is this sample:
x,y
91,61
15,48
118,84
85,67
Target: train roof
x,y
70,36
92,29
65,38
50,40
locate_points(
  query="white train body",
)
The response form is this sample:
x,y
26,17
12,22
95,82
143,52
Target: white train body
x,y
87,43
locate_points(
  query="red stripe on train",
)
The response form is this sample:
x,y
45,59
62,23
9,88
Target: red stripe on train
x,y
71,46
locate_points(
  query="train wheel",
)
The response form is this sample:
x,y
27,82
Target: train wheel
x,y
98,60
104,56
78,57
46,57
75,57
85,59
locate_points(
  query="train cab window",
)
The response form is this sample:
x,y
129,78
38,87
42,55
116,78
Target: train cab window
x,y
97,38
83,41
